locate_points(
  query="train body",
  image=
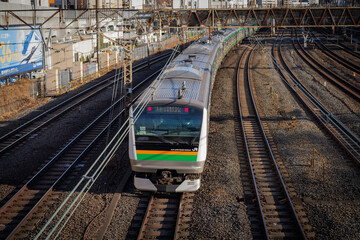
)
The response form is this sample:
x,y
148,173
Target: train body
x,y
168,142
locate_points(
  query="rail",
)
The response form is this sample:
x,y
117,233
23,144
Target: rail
x,y
337,80
50,115
345,137
165,216
349,65
83,147
247,148
63,213
340,45
252,126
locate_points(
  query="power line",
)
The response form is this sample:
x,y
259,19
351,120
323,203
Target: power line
x,y
93,173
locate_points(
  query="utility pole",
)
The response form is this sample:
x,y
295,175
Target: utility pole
x,y
97,35
127,47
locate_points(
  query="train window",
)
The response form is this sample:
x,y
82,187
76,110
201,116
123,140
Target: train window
x,y
167,123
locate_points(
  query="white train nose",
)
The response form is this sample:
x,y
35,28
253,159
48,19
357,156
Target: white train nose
x,y
145,184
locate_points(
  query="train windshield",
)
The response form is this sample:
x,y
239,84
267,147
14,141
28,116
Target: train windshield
x,y
169,125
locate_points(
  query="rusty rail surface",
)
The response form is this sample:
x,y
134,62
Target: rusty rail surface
x,y
166,216
340,45
336,79
278,215
349,65
346,138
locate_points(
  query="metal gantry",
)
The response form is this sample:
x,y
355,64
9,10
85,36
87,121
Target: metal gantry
x,y
137,23
149,20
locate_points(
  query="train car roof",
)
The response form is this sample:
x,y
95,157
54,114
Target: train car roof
x,y
184,80
202,46
184,71
169,89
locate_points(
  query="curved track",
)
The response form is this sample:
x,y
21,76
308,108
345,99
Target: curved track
x,y
337,80
278,216
349,65
347,139
350,51
340,45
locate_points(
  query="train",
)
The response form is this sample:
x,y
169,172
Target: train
x,y
168,142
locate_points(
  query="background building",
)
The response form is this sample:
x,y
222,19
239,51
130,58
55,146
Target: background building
x,y
228,3
20,4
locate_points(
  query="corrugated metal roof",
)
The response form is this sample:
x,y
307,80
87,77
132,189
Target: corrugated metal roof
x,y
170,88
205,49
193,58
185,71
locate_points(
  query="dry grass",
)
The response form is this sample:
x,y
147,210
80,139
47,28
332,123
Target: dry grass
x,y
15,98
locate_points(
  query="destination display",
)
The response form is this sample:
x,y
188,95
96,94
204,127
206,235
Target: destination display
x,y
168,110
20,51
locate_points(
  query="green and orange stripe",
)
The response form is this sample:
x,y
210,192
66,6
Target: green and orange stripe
x,y
185,156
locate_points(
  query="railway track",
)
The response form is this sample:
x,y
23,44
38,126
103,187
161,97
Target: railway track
x,y
34,126
349,65
350,51
347,139
337,80
278,216
340,45
23,211
164,216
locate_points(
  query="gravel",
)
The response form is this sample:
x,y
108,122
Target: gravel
x,y
217,212
23,162
27,158
345,108
332,208
333,65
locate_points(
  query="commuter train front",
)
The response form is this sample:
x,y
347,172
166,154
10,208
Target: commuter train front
x,y
168,142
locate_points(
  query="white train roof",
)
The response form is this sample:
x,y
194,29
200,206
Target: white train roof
x,y
190,72
169,89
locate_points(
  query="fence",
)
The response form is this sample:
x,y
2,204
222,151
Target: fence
x,y
64,79
89,68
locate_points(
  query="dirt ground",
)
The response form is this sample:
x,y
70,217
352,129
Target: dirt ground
x,y
16,98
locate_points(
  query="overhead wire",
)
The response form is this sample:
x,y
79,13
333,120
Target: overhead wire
x,y
115,87
93,173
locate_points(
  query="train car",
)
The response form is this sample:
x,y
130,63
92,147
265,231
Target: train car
x,y
168,141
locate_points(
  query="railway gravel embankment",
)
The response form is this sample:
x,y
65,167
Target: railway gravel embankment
x,y
333,208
